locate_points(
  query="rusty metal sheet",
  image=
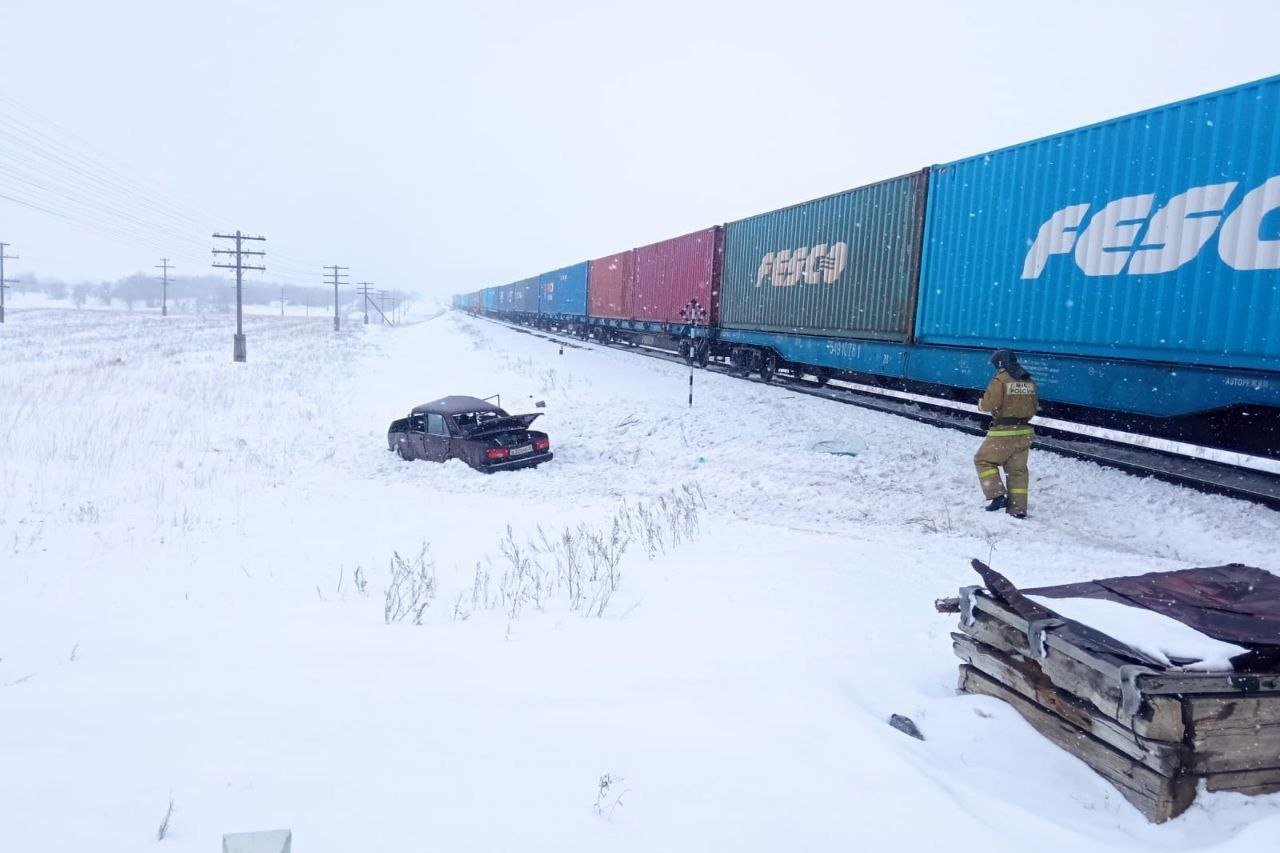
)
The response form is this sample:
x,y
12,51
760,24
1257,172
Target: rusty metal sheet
x,y
1076,632
1233,603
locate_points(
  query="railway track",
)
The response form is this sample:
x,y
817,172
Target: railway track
x,y
1203,475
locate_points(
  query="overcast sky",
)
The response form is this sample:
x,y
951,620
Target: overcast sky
x,y
448,146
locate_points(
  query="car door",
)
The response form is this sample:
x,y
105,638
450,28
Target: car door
x,y
435,440
413,437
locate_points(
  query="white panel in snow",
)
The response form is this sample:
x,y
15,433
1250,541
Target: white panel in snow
x,y
271,841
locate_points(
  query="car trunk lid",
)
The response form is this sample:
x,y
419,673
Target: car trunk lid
x,y
511,423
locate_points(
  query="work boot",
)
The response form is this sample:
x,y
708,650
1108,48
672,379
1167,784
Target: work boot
x,y
998,502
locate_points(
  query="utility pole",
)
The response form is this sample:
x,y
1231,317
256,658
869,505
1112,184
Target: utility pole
x,y
338,274
364,289
238,349
164,294
4,282
377,305
282,300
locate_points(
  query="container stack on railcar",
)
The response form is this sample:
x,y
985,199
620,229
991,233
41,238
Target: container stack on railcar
x,y
563,294
1134,264
527,296
1139,258
663,295
811,288
611,287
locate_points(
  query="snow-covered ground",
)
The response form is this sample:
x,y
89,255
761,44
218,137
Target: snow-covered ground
x,y
195,554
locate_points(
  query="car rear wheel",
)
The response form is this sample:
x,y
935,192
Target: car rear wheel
x,y
401,453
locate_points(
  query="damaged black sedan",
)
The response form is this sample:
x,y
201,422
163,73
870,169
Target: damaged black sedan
x,y
473,430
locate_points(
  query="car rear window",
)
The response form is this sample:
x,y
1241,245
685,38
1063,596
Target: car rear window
x,y
468,421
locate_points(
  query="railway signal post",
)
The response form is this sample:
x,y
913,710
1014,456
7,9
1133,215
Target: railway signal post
x,y
693,313
238,352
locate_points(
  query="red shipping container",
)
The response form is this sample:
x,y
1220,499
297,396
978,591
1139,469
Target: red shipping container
x,y
671,273
609,286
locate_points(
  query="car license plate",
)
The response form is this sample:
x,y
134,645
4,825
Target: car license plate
x,y
521,451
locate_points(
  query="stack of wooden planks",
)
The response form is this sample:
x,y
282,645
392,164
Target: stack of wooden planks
x,y
1153,733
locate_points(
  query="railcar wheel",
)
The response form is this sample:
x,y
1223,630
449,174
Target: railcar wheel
x,y
686,352
821,375
768,367
701,353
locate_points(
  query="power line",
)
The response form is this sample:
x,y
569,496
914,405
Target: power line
x,y
238,348
98,161
88,180
120,233
64,189
51,170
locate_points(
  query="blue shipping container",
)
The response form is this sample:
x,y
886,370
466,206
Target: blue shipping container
x,y
490,298
1152,237
564,291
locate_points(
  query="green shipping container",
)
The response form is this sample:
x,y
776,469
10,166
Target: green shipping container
x,y
842,266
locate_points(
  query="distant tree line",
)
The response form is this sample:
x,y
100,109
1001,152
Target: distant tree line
x,y
186,293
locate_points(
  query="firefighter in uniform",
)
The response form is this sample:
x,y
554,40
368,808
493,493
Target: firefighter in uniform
x,y
1011,399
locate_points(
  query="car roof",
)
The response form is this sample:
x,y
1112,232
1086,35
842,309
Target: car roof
x,y
456,406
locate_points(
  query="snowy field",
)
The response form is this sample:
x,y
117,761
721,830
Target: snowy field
x,y
685,633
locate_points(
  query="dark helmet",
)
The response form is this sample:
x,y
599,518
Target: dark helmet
x,y
1007,360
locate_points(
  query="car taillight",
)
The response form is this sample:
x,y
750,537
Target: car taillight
x,y
498,453
542,445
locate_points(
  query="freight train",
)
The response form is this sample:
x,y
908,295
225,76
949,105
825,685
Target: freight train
x,y
1134,265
